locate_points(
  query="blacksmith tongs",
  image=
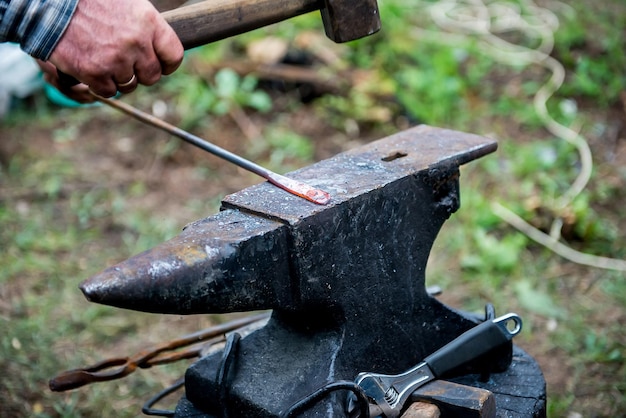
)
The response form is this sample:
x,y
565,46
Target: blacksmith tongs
x,y
387,394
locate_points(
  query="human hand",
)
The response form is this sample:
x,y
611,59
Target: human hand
x,y
112,45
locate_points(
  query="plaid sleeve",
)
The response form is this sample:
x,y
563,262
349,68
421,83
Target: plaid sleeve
x,y
37,25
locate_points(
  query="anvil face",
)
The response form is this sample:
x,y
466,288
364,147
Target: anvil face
x,y
345,281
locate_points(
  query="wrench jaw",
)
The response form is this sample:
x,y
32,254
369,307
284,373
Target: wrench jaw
x,y
389,393
376,391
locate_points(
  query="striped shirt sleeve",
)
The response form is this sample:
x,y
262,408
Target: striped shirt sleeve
x,y
37,25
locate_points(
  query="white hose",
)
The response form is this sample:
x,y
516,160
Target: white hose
x,y
483,21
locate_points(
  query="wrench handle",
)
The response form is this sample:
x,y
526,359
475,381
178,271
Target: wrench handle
x,y
473,343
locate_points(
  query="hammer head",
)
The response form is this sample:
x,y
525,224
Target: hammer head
x,y
347,20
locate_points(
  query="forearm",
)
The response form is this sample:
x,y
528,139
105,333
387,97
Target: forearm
x,y
37,25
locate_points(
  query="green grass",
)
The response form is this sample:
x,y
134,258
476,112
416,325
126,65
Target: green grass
x,y
65,216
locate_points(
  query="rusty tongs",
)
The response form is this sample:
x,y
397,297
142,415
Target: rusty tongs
x,y
387,394
117,368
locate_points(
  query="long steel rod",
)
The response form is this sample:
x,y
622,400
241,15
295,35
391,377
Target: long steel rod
x,y
290,185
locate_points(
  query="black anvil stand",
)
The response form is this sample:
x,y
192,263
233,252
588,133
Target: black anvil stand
x,y
345,283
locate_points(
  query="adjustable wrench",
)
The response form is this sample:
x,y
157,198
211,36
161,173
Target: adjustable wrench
x,y
388,393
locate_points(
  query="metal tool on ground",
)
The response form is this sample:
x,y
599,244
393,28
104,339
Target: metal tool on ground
x,y
290,185
164,353
388,393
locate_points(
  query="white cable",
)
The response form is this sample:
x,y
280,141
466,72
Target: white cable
x,y
554,245
484,21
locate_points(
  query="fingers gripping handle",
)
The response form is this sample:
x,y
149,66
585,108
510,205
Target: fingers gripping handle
x,y
473,343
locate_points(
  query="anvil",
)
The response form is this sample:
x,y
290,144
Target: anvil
x,y
345,282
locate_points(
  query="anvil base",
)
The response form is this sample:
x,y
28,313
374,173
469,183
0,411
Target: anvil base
x,y
519,392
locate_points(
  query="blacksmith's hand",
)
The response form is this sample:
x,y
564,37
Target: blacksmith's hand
x,y
113,45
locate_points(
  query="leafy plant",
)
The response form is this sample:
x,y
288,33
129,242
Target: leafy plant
x,y
233,90
494,255
284,148
196,98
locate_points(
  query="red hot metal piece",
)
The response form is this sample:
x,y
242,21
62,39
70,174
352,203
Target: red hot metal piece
x,y
300,189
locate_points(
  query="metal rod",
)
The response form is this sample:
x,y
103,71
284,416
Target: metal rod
x,y
292,186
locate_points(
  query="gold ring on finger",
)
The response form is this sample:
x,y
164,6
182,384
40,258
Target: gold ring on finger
x,y
129,82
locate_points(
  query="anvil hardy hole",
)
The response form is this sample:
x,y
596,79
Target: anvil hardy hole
x,y
394,156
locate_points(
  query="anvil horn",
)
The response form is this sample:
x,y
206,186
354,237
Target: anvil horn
x,y
226,263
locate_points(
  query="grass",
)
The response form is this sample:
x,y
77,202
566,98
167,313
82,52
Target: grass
x,y
77,196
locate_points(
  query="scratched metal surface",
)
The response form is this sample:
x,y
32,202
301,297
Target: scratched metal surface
x,y
364,169
269,249
203,263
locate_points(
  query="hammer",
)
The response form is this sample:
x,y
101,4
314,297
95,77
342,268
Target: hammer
x,y
211,20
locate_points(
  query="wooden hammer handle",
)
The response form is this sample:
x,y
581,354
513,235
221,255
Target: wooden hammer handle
x,y
212,20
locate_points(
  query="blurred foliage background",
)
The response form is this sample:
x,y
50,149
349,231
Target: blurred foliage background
x,y
541,225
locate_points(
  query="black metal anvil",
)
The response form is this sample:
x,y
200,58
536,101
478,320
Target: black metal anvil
x,y
345,281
